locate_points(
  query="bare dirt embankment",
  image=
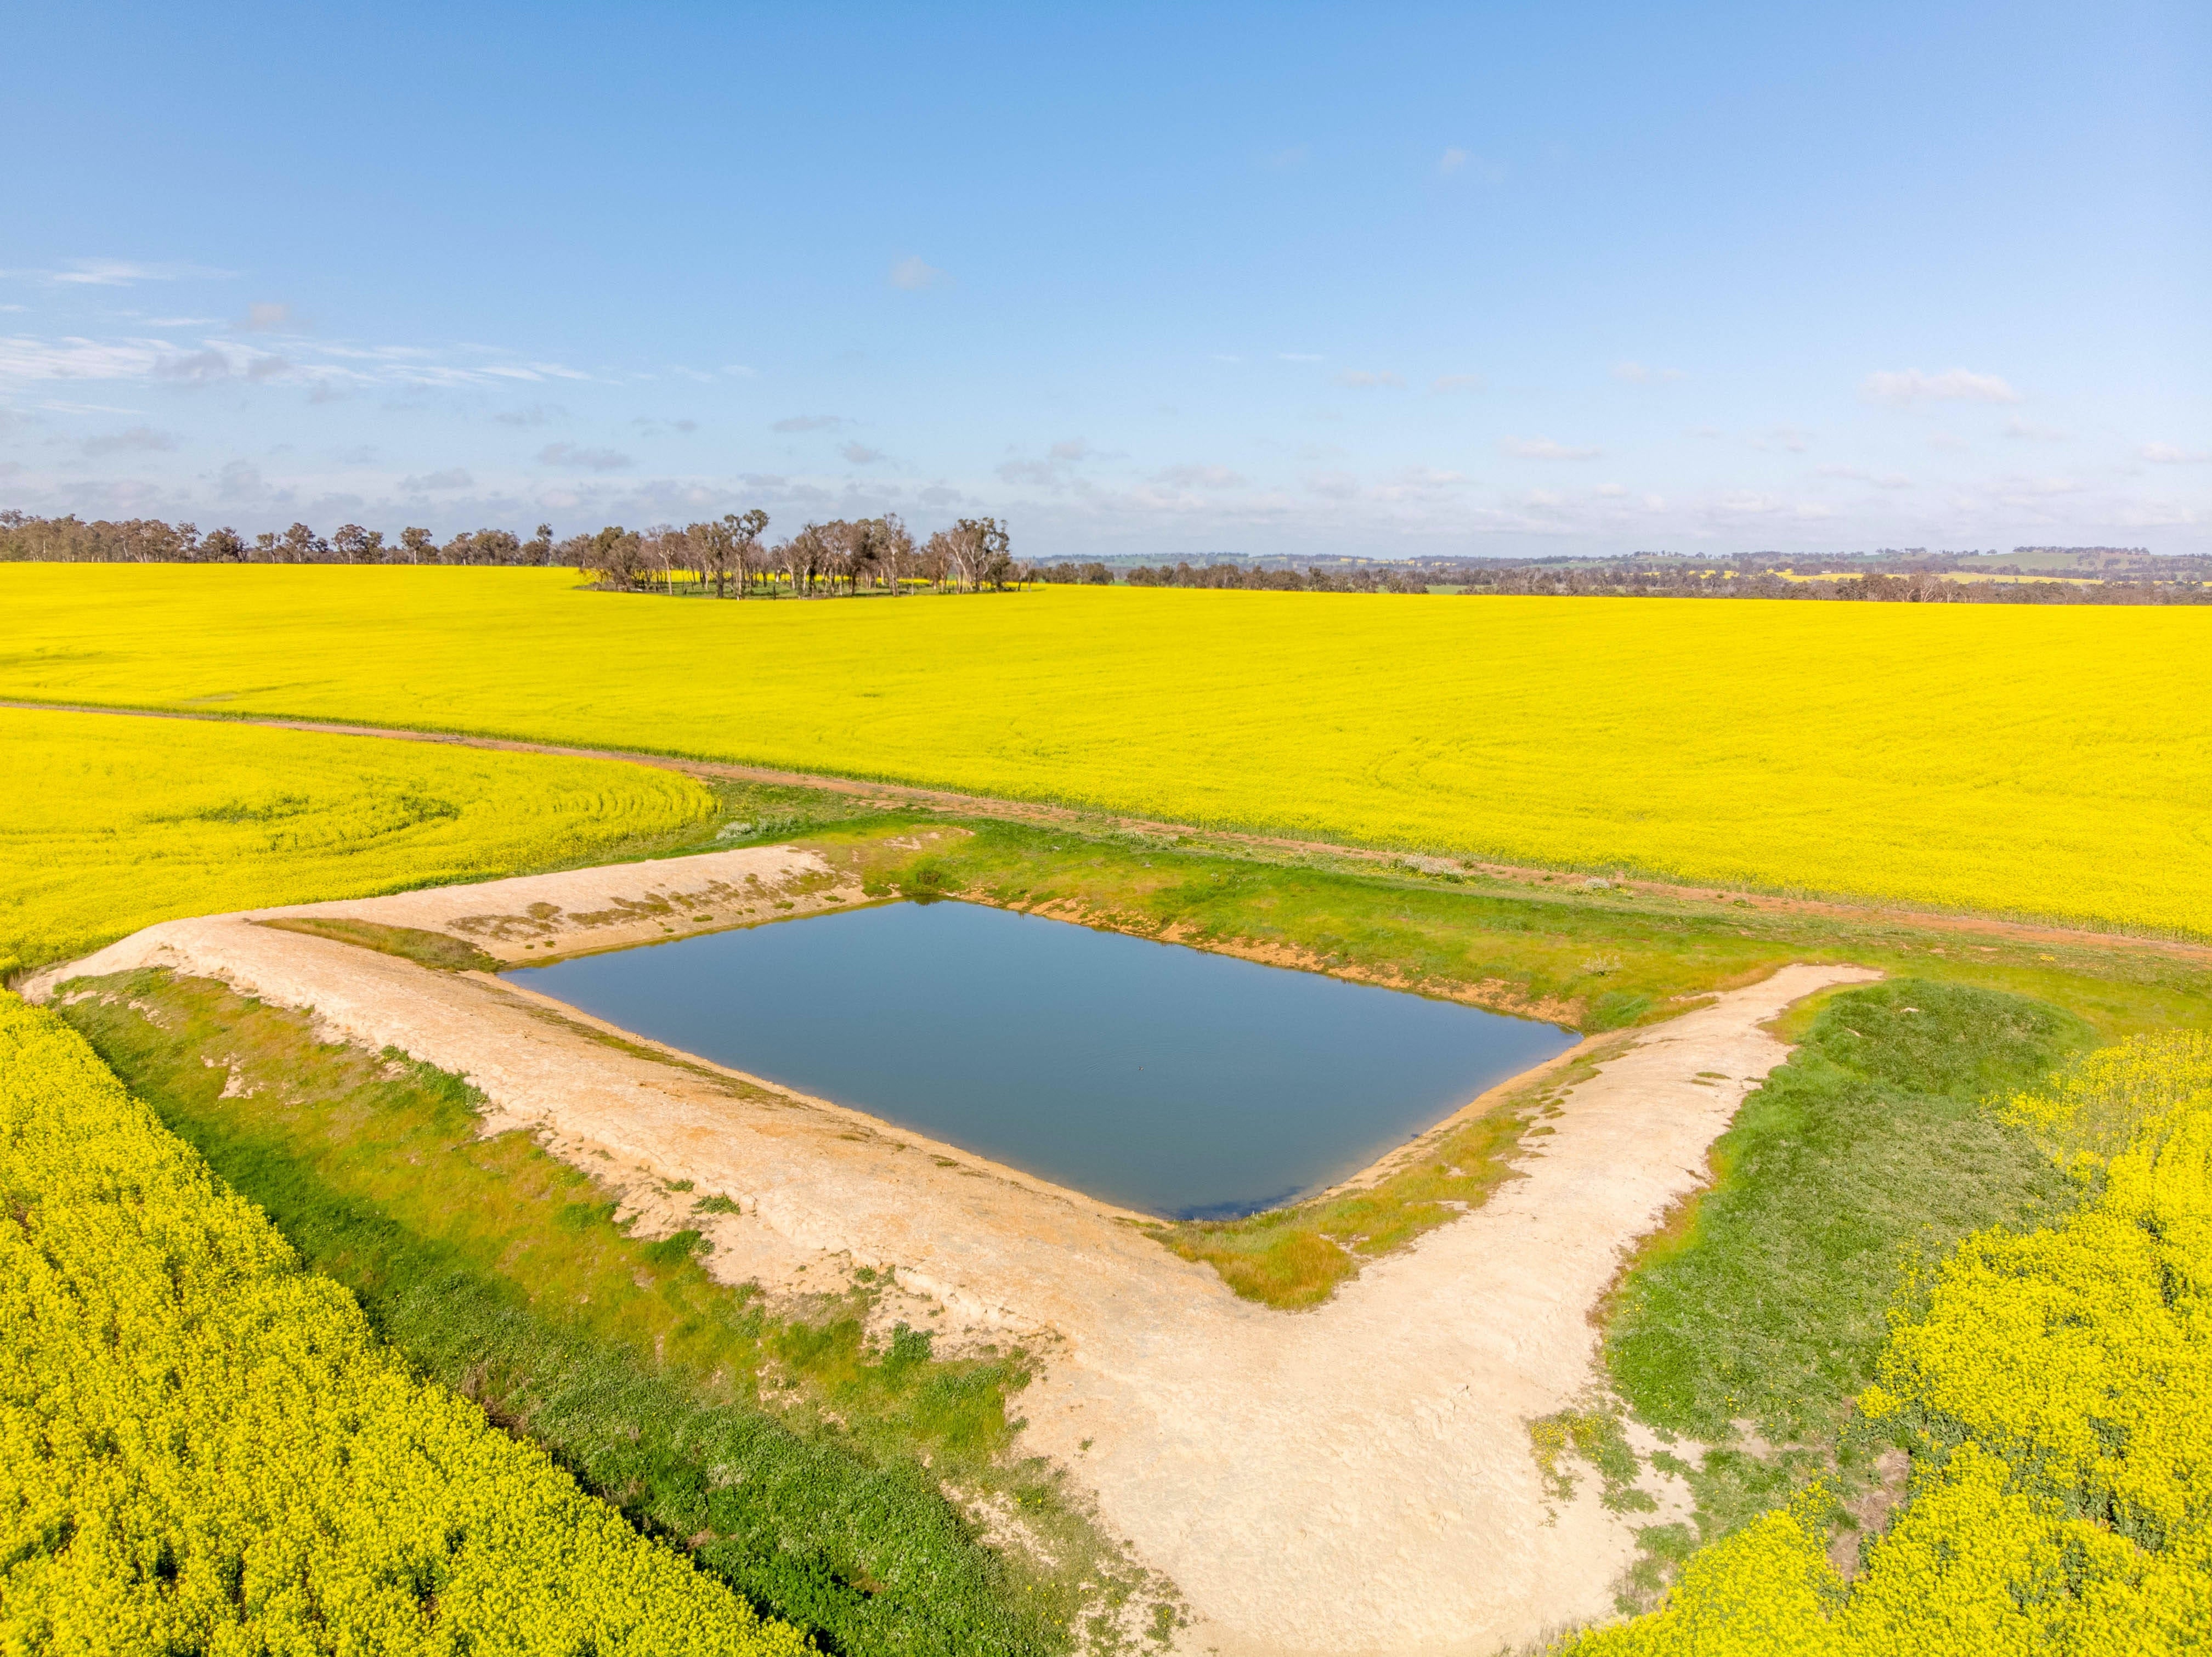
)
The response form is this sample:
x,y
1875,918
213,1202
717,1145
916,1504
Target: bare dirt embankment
x,y
1355,1479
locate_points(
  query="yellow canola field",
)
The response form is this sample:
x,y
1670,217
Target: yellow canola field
x,y
108,824
2014,759
207,1449
2057,1395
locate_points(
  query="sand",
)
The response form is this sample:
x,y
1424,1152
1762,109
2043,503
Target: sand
x,y
1353,1479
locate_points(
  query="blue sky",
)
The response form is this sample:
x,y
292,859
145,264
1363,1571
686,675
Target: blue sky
x,y
1161,279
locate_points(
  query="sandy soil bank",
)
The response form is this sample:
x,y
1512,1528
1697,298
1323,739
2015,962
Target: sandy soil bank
x,y
537,918
1356,1479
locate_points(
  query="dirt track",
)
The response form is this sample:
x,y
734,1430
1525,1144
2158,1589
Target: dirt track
x,y
1353,1479
979,806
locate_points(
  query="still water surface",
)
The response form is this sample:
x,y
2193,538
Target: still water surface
x,y
1158,1077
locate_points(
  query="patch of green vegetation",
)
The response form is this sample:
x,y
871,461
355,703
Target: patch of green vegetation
x,y
1596,957
1294,1257
1592,958
797,1461
1753,1318
1594,1434
446,953
1868,1151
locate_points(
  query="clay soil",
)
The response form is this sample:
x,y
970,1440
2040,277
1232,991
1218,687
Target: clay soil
x,y
1353,1479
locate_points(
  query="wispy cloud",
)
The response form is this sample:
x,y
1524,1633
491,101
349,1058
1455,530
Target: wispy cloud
x,y
809,423
1637,373
1056,472
1297,356
1455,162
1902,387
860,455
2168,454
1200,478
268,318
1456,383
196,369
1283,160
1365,377
1794,439
572,458
219,359
437,482
138,439
121,273
912,273
2028,431
1859,475
1542,448
241,480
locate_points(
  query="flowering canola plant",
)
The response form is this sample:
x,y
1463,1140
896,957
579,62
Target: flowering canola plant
x,y
208,1450
110,824
2034,759
2057,1394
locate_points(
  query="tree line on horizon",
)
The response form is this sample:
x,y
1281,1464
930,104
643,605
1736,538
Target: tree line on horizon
x,y
728,554
730,557
1744,580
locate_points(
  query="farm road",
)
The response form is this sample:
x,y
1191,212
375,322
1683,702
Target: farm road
x,y
1355,1479
891,795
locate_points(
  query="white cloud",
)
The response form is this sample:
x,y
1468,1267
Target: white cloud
x,y
1451,161
454,478
1200,478
240,481
569,456
1794,439
199,369
137,439
1904,386
1637,373
1542,448
809,423
73,357
123,273
860,455
2029,431
2166,454
1071,449
1878,480
1043,472
911,274
1456,383
1364,377
268,318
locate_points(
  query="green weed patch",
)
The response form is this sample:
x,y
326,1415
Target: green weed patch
x,y
798,1463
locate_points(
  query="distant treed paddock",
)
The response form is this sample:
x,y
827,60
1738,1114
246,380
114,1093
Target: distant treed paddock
x,y
727,555
730,557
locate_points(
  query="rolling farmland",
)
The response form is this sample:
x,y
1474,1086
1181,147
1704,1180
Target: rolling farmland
x,y
2047,762
110,824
